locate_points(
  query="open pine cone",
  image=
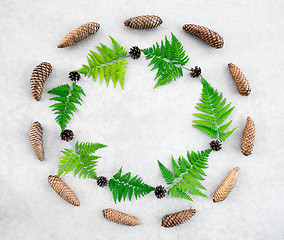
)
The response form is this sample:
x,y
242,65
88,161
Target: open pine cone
x,y
216,145
102,181
135,52
195,72
67,135
74,76
160,192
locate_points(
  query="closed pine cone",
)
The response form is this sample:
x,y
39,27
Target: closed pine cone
x,y
175,219
36,140
39,76
227,186
143,22
79,34
248,137
206,34
120,218
240,80
63,190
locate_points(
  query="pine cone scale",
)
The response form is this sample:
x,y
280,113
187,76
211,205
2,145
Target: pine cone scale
x,y
39,76
79,34
207,35
120,217
227,186
37,140
240,80
175,219
63,190
248,137
143,22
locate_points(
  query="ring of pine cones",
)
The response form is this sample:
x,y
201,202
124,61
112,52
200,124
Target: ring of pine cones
x,y
43,70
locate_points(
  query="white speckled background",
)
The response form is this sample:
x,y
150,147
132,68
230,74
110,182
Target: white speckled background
x,y
139,124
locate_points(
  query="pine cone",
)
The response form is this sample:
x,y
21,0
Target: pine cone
x,y
36,140
120,218
227,186
195,72
102,181
67,135
206,34
175,219
79,34
216,145
63,190
143,22
160,192
39,76
240,80
248,137
74,76
135,52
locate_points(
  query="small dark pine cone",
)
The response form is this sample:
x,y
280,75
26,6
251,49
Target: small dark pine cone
x,y
160,192
74,76
216,145
102,181
67,135
195,72
135,52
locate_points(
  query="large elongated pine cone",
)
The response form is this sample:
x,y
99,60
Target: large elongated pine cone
x,y
79,34
206,34
227,186
36,140
63,190
120,218
177,218
240,80
39,76
248,137
143,22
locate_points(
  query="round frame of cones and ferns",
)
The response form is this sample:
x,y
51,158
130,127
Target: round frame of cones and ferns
x,y
109,64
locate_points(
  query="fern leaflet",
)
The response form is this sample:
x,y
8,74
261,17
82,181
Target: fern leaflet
x,y
109,64
168,58
66,99
80,160
186,175
215,112
123,185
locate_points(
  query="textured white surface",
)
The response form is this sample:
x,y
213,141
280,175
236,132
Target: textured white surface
x,y
139,124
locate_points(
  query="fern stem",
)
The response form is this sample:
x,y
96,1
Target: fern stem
x,y
215,120
65,106
184,67
177,179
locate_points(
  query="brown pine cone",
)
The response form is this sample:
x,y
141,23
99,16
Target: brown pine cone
x,y
39,76
227,186
248,137
120,218
175,219
63,190
240,80
206,34
143,22
36,140
79,34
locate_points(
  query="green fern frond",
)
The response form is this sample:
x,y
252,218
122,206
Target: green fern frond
x,y
123,185
168,58
110,64
185,178
80,160
215,111
66,99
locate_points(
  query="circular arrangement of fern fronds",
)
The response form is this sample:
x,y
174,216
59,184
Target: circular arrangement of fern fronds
x,y
169,59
